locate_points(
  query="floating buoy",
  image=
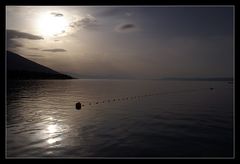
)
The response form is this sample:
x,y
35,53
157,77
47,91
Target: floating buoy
x,y
78,105
211,88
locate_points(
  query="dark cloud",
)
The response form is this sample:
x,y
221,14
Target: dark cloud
x,y
129,27
13,35
88,22
33,48
55,50
56,14
50,50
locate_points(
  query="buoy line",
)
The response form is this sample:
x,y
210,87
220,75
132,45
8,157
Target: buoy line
x,y
80,105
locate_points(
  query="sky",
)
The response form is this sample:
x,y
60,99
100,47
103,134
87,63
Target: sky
x,y
125,41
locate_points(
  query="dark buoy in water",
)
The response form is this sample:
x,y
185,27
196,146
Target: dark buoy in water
x,y
211,88
78,105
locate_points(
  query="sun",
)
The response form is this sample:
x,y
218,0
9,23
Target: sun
x,y
50,25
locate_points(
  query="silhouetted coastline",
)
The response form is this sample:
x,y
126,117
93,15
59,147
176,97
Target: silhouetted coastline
x,y
20,68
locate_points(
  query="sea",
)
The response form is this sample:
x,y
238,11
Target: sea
x,y
119,119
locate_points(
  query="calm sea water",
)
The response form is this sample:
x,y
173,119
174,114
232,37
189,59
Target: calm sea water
x,y
185,119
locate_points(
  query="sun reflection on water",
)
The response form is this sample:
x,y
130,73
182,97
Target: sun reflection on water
x,y
53,140
54,131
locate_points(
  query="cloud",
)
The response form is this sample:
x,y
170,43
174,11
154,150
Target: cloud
x,y
13,35
88,22
55,50
33,48
50,50
56,14
128,27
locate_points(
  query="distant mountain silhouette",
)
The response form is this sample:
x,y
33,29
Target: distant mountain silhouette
x,y
19,67
200,79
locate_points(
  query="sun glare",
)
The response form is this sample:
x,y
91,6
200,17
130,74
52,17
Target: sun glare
x,y
49,25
